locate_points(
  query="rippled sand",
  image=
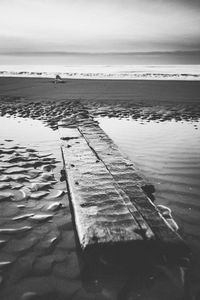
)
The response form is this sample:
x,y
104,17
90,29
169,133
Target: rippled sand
x,y
39,257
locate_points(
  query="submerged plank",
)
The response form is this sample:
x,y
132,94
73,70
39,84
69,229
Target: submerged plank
x,y
129,180
107,192
103,212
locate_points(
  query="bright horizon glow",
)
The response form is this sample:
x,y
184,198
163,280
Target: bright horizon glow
x,y
99,26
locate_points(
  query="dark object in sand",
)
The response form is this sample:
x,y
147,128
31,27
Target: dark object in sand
x,y
58,79
110,200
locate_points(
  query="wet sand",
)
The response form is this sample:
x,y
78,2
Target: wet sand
x,y
148,91
38,255
149,100
39,258
35,224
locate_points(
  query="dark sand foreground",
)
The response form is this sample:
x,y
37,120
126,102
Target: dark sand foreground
x,y
139,99
135,90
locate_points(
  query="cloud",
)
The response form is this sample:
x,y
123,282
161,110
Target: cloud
x,y
99,25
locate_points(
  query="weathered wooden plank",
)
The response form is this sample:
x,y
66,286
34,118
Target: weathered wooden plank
x,y
107,193
103,212
129,181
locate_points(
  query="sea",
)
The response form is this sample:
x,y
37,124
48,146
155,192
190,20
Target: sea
x,y
102,66
122,72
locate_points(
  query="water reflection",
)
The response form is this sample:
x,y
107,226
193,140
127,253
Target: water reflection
x,y
46,263
168,154
142,278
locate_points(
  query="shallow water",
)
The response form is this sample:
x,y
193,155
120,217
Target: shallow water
x,y
168,154
165,153
42,262
36,231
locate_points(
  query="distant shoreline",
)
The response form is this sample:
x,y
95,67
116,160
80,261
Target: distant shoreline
x,y
107,79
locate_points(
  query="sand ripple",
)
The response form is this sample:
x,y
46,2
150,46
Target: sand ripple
x,y
38,248
27,176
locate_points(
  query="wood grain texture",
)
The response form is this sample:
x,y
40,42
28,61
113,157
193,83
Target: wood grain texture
x,y
129,180
103,212
109,204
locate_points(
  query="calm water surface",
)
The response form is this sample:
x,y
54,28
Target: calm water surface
x,y
168,154
165,153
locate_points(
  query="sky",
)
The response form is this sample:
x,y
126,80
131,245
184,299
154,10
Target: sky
x,y
99,26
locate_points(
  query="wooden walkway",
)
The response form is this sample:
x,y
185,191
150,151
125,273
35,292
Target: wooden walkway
x,y
111,201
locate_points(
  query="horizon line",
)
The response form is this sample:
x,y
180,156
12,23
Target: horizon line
x,y
99,53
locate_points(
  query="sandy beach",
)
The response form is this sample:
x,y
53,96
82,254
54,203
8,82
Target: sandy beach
x,y
147,91
146,99
38,257
99,150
